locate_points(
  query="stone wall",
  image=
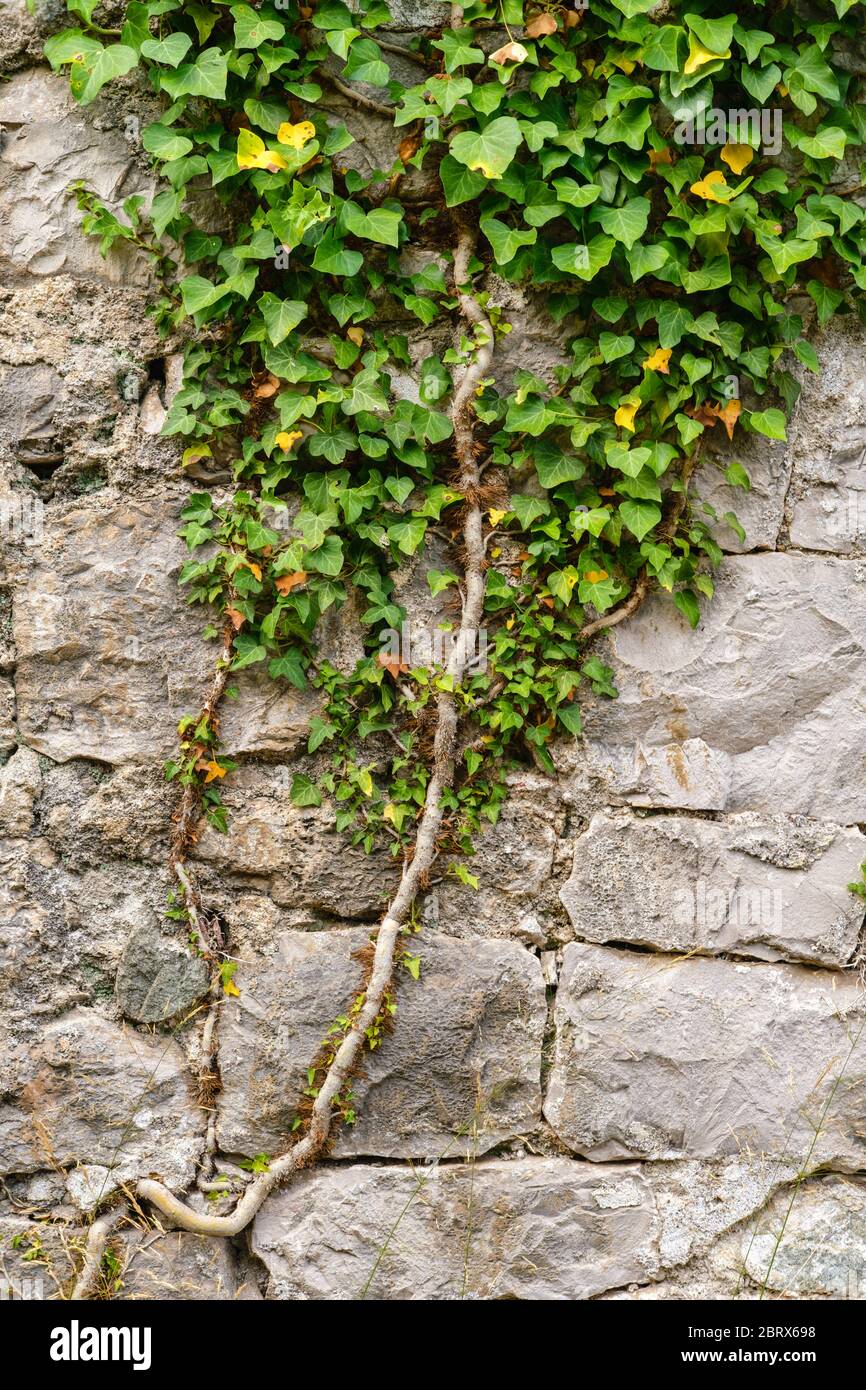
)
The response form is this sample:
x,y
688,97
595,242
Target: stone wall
x,y
614,1066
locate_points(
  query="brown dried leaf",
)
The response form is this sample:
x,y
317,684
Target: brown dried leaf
x,y
539,25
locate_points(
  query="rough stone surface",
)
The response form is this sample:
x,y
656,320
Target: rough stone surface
x,y
818,1247
38,1260
827,502
465,1054
538,1229
111,1103
108,658
158,978
770,887
659,1057
770,685
760,510
48,145
175,1267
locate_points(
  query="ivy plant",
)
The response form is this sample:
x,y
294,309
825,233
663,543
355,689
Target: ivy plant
x,y
677,184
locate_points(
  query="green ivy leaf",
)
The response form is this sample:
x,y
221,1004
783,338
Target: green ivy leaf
x,y
770,423
87,78
490,150
626,223
280,315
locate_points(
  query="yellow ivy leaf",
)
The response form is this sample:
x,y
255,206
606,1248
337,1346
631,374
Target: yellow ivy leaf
x,y
627,65
285,439
698,55
355,335
659,361
626,413
255,570
230,988
595,576
496,552
296,136
214,770
253,153
737,157
496,516
390,813
711,186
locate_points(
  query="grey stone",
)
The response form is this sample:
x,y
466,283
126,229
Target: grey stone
x,y
517,863
770,887
771,682
459,1071
312,871
412,15
760,510
658,1057
813,1245
115,1103
8,729
540,1228
176,1266
20,781
49,143
827,502
110,658
158,978
38,1259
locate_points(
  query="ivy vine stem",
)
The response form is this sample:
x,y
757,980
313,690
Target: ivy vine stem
x,y
308,1149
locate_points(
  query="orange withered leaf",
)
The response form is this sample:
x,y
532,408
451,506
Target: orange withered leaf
x,y
729,414
392,664
268,387
287,582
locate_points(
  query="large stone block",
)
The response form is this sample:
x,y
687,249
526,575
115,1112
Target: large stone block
x,y
108,1102
313,872
662,1058
158,977
50,142
770,887
460,1071
533,1229
760,510
176,1266
110,656
761,708
827,501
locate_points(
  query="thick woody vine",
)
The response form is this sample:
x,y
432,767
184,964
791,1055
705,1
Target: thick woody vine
x,y
680,185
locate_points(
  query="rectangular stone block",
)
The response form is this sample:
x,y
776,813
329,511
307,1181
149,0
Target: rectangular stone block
x,y
459,1070
772,887
662,1057
541,1228
772,684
